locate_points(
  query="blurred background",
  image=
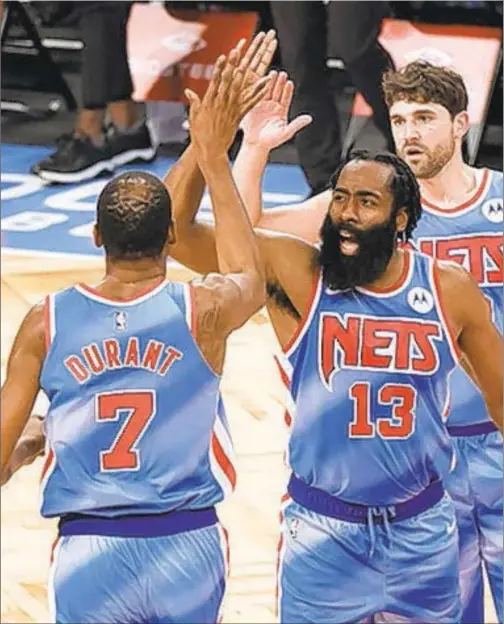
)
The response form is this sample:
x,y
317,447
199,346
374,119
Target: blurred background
x,y
44,56
89,88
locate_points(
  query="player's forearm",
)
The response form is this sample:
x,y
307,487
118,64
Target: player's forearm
x,y
237,248
248,172
186,186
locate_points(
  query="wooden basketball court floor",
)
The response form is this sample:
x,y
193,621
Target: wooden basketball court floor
x,y
254,400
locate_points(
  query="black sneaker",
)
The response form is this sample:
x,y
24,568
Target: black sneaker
x,y
76,159
130,146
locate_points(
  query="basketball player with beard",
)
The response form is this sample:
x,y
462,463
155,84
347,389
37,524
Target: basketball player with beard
x,y
367,527
462,221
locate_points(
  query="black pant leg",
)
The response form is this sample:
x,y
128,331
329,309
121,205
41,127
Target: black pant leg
x,y
301,28
353,30
105,71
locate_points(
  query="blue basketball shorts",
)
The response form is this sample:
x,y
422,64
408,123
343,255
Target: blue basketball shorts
x,y
333,571
475,486
177,578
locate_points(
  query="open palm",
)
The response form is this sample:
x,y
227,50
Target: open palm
x,y
266,125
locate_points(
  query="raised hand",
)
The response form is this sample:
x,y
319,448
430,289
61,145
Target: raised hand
x,y
258,57
266,125
236,86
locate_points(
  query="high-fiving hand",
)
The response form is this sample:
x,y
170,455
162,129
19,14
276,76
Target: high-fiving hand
x,y
236,86
266,125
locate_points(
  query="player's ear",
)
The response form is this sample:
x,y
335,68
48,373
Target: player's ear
x,y
171,239
97,239
461,125
401,221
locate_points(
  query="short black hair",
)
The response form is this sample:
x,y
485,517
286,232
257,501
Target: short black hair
x,y
404,186
134,216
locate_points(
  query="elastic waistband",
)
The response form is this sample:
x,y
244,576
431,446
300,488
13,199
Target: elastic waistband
x,y
151,525
458,431
323,503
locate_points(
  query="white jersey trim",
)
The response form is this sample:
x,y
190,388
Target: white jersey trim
x,y
484,178
83,290
305,322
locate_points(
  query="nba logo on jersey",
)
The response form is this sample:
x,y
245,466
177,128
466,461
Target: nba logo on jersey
x,y
120,321
420,300
492,210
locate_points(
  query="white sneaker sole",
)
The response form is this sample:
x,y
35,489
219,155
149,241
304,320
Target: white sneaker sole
x,y
95,170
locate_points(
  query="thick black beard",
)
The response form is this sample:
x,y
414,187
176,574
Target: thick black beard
x,y
376,246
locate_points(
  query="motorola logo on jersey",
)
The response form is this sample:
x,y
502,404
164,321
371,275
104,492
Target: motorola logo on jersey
x,y
421,300
358,342
493,211
480,254
120,321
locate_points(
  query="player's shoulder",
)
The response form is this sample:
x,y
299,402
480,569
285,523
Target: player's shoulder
x,y
453,279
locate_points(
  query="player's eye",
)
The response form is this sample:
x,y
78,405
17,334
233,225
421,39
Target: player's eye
x,y
338,198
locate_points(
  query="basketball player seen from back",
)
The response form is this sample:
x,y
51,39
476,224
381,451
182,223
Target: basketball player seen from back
x,y
462,221
367,526
138,443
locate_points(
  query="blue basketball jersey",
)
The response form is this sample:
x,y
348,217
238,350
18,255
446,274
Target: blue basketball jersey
x,y
470,234
136,423
368,375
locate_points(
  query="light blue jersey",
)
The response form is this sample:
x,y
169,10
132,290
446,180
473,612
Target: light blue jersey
x,y
367,529
136,423
369,379
139,453
470,234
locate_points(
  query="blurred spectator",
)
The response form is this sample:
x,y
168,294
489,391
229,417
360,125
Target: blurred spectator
x,y
106,93
309,32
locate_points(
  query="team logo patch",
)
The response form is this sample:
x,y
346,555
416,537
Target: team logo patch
x,y
492,210
420,300
120,321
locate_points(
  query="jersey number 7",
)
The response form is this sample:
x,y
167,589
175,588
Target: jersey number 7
x,y
137,408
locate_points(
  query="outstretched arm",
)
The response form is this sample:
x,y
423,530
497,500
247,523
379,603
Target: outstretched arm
x,y
213,123
265,127
22,381
195,246
478,339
